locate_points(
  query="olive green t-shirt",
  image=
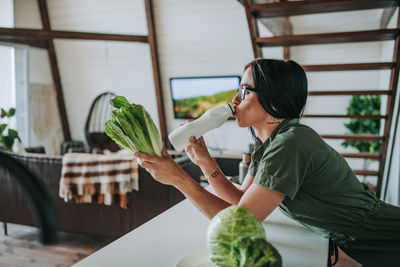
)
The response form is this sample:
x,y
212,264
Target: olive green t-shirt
x,y
321,190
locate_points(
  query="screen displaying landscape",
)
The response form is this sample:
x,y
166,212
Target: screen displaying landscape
x,y
194,96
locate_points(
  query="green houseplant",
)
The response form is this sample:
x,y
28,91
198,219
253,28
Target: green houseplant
x,y
7,140
364,105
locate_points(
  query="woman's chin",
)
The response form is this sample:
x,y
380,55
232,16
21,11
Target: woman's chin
x,y
240,124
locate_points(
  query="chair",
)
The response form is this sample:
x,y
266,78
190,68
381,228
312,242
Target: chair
x,y
36,192
36,149
100,111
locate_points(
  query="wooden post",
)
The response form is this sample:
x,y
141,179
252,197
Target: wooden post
x,y
5,228
54,70
286,53
156,71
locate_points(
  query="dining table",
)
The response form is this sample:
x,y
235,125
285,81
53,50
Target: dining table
x,y
181,231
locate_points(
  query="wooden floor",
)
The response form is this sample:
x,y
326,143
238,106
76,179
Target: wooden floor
x,y
21,247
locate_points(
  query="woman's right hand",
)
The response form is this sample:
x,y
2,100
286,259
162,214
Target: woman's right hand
x,y
197,151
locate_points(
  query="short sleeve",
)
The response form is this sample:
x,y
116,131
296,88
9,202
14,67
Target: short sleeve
x,y
252,168
283,166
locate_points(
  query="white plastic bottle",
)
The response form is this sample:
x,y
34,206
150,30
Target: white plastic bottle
x,y
211,119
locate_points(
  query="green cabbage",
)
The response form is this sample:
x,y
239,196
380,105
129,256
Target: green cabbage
x,y
131,127
236,238
255,252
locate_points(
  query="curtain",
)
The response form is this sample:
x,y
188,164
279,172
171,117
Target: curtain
x,y
45,121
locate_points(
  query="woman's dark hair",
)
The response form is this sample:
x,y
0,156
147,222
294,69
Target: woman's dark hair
x,y
281,87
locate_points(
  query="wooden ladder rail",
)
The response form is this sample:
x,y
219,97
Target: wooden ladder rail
x,y
304,7
290,8
394,78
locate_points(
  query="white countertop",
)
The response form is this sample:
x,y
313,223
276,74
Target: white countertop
x,y
182,229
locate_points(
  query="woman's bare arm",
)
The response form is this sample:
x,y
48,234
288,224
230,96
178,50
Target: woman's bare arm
x,y
248,180
224,188
261,201
208,203
198,153
165,170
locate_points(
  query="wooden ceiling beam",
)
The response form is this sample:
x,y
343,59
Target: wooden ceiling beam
x,y
27,41
21,32
45,35
99,36
44,15
156,70
54,70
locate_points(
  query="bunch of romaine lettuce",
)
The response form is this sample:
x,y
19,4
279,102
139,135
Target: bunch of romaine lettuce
x,y
131,127
236,238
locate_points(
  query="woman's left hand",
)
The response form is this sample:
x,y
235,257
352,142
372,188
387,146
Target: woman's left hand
x,y
163,169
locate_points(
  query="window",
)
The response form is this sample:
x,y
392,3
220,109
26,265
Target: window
x,y
14,76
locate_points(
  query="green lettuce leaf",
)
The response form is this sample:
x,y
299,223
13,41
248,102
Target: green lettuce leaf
x,y
255,252
119,101
113,130
132,122
148,127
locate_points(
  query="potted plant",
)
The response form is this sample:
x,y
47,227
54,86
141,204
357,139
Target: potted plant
x,y
364,105
7,140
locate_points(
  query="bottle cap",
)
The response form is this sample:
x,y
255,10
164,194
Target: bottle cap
x,y
231,108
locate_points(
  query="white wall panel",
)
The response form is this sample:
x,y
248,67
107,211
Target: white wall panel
x,y
26,14
90,68
39,66
117,16
337,21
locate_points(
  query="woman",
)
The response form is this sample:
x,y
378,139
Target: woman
x,y
292,168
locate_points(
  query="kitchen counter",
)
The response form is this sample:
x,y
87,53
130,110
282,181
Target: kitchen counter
x,y
182,229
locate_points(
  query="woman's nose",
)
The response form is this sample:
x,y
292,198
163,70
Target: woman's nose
x,y
236,99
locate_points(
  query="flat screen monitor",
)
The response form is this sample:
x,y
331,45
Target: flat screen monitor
x,y
192,96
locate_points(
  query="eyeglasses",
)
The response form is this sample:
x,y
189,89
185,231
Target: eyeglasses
x,y
243,90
